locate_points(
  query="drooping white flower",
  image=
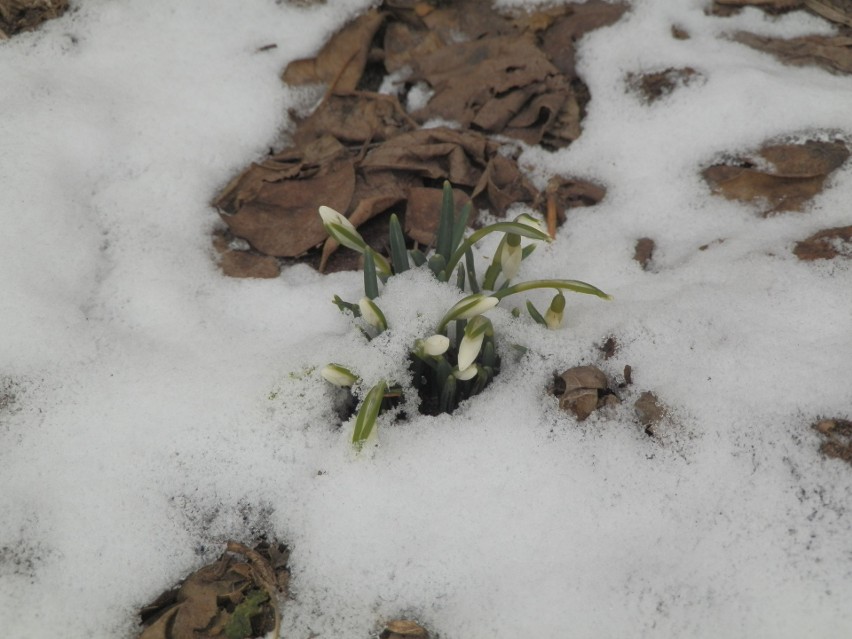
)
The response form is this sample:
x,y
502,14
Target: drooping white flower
x,y
470,306
466,373
435,345
471,343
511,255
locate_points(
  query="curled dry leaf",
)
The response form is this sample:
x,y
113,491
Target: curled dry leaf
x,y
581,390
785,176
830,52
839,11
403,629
26,15
229,598
826,244
569,193
649,411
644,252
837,438
653,86
341,62
273,204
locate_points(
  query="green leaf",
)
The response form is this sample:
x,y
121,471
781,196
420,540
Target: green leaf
x,y
346,306
447,402
460,225
437,263
471,271
417,256
444,246
371,281
538,317
570,285
460,277
504,227
365,421
399,256
239,625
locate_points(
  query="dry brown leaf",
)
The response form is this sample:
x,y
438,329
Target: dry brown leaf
x,y
839,11
340,63
826,244
837,438
422,212
644,252
502,84
784,5
784,176
569,193
830,52
274,204
653,86
355,118
558,42
25,15
207,599
243,263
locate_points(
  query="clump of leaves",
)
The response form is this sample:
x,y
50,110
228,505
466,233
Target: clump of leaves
x,y
231,598
460,359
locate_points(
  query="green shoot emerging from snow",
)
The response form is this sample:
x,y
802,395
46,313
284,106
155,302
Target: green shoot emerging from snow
x,y
460,359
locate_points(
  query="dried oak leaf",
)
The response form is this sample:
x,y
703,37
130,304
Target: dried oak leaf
x,y
653,86
559,40
25,15
207,601
569,193
422,212
403,629
779,5
581,390
354,117
785,176
839,11
837,438
644,252
243,263
341,62
273,204
830,52
502,84
826,244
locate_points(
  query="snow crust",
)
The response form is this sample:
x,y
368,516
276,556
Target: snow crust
x,y
158,408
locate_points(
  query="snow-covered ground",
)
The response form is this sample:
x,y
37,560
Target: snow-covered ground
x,y
160,408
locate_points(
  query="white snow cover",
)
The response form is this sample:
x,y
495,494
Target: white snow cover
x,y
160,408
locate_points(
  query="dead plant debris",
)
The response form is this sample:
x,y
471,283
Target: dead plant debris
x,y
644,252
837,438
236,597
833,53
654,86
779,177
404,629
26,15
826,244
363,154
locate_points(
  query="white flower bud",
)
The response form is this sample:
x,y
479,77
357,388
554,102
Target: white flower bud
x,y
435,345
510,256
338,375
372,314
466,373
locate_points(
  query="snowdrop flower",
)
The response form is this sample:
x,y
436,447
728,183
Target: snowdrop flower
x,y
467,373
530,221
470,306
471,343
434,346
372,313
338,375
553,316
341,229
511,255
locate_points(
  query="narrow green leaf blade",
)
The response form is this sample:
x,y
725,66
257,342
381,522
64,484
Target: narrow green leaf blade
x,y
399,256
445,223
371,280
365,421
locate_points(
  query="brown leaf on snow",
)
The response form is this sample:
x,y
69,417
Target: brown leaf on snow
x,y
784,176
559,40
340,63
826,244
26,15
837,438
653,86
503,84
273,204
830,52
421,214
355,118
570,193
208,602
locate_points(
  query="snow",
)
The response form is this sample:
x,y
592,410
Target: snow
x,y
160,408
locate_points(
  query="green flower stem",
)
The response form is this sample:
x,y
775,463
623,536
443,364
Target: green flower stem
x,y
571,285
502,227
